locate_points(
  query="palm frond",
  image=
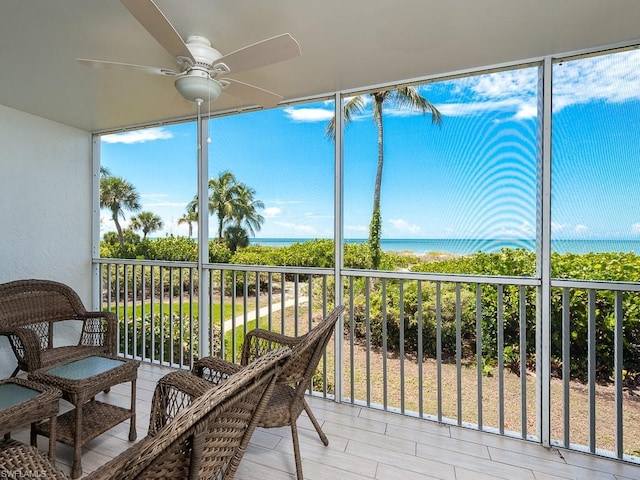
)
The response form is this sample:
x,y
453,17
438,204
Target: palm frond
x,y
410,98
352,108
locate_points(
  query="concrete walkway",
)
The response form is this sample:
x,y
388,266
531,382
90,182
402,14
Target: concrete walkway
x,y
251,315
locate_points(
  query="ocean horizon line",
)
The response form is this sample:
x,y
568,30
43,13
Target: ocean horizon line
x,y
465,246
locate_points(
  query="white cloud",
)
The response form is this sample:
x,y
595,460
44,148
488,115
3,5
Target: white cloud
x,y
315,215
139,136
557,227
506,84
524,230
271,212
356,228
309,114
402,226
526,111
160,200
581,229
528,228
297,228
610,78
635,228
476,108
279,201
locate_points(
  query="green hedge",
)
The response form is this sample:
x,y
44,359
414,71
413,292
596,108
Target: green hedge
x,y
173,249
518,262
591,266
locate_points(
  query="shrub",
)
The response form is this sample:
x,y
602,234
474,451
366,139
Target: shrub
x,y
591,266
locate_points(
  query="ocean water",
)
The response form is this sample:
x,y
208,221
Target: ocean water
x,y
467,245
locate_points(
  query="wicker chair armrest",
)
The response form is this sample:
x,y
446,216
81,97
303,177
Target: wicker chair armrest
x,y
26,345
259,342
174,392
100,328
214,370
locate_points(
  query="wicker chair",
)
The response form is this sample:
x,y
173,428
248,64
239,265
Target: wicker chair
x,y
196,431
29,310
287,401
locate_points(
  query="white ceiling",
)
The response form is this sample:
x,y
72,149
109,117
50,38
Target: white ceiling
x,y
346,44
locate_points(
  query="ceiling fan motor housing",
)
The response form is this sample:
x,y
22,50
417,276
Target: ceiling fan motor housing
x,y
197,86
202,51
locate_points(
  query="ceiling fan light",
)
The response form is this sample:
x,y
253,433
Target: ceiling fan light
x,y
194,88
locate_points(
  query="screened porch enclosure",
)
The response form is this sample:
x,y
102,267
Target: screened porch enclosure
x,y
540,352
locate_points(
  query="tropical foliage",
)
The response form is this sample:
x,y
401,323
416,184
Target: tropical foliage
x,y
591,266
232,202
147,222
118,195
234,205
410,306
171,248
190,218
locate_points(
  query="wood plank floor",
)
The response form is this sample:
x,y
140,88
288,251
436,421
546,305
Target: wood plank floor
x,y
364,444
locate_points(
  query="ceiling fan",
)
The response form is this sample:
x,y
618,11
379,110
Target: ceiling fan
x,y
202,70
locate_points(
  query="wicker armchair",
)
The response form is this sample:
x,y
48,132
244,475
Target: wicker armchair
x,y
197,431
287,401
29,310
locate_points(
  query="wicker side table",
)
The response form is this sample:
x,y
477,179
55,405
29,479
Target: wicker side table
x,y
80,381
24,402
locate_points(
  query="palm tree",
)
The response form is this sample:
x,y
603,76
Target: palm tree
x,y
223,194
147,222
235,237
246,215
190,217
406,97
117,194
232,202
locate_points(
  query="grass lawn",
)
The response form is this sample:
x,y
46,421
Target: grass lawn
x,y
136,311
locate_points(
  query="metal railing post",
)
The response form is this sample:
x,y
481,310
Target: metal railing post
x,y
338,236
203,239
543,255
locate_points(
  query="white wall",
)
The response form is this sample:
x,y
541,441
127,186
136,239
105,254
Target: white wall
x,y
45,205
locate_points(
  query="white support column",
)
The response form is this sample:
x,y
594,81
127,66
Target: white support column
x,y
338,236
543,256
95,221
204,348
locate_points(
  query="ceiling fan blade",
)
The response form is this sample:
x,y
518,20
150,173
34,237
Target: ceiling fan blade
x,y
154,21
127,66
266,52
255,95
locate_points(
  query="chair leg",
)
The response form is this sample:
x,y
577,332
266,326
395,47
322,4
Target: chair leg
x,y
312,417
296,450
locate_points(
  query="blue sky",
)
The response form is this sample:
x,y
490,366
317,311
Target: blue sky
x,y
475,177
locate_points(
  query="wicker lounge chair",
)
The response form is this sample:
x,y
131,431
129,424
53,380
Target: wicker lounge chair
x,y
287,401
196,430
29,309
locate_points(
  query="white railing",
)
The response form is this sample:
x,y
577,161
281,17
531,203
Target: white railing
x,y
456,349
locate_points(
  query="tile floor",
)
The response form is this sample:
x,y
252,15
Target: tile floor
x,y
365,444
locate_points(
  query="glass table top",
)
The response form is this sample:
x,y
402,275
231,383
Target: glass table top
x,y
12,394
84,368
